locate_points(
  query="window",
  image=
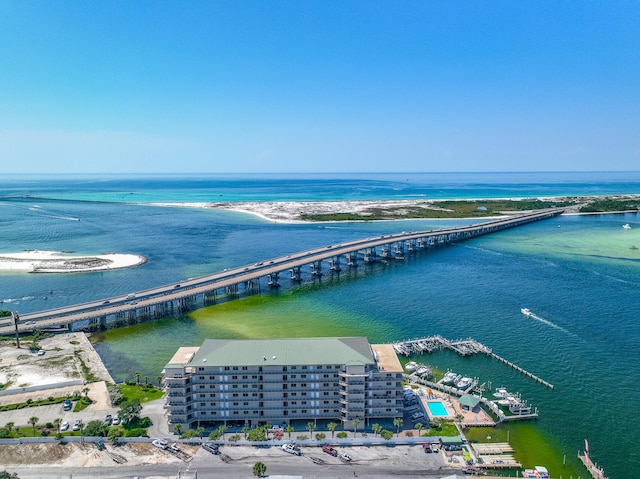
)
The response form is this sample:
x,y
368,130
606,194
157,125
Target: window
x,y
234,377
226,368
303,376
244,368
304,367
245,377
235,368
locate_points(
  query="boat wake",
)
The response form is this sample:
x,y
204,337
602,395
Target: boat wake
x,y
533,315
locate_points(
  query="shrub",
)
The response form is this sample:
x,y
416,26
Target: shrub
x,y
342,435
135,432
234,438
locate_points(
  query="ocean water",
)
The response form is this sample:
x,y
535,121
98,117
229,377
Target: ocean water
x,y
578,274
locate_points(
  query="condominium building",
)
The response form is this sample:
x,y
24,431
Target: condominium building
x,y
276,381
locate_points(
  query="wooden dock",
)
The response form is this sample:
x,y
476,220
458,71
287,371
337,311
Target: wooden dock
x,y
463,347
595,471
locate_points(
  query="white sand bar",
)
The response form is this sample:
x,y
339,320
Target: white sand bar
x,y
40,261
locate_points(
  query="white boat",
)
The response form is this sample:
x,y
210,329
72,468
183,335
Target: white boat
x,y
501,393
627,226
464,383
449,377
411,366
423,370
526,312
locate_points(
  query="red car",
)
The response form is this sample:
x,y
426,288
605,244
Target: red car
x,y
330,450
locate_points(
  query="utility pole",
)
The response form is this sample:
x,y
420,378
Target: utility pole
x,y
16,318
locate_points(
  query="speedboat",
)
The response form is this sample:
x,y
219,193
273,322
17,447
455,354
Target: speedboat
x,y
627,227
526,312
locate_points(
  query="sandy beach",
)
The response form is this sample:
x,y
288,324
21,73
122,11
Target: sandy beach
x,y
40,261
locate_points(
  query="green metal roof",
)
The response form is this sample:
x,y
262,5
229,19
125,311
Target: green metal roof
x,y
469,401
283,352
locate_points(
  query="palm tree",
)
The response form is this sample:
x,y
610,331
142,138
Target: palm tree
x,y
311,426
289,429
178,429
159,379
56,424
376,429
146,381
397,422
355,423
33,421
245,431
85,390
137,376
200,432
332,427
419,427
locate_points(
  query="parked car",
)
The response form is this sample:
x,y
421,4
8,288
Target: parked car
x,y
330,450
108,419
115,421
64,426
345,457
291,449
211,447
67,405
77,425
427,447
417,415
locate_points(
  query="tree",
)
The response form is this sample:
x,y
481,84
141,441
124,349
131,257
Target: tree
x,y
85,390
259,469
200,432
376,429
397,422
114,434
419,427
8,475
159,379
289,429
355,423
321,436
245,431
137,376
386,435
130,411
146,381
96,428
310,427
177,428
33,421
56,424
332,427
258,434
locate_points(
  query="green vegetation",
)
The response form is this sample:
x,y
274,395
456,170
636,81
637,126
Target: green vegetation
x,y
31,403
4,313
259,469
440,427
476,208
131,391
441,209
602,205
88,375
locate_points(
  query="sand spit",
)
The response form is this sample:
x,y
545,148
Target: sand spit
x,y
40,261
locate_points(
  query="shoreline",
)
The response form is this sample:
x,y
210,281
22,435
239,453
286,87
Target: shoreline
x,y
44,261
290,212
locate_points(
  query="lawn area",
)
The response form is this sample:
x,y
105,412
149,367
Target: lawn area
x,y
447,429
140,392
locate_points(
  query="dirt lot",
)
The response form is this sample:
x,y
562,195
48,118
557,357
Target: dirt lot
x,y
87,454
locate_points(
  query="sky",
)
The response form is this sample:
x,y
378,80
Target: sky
x,y
318,86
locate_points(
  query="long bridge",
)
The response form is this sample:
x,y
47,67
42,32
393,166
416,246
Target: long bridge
x,y
179,298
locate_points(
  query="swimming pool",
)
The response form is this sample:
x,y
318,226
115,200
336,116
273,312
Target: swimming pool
x,y
437,409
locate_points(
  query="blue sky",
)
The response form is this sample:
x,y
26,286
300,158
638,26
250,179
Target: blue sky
x,y
325,86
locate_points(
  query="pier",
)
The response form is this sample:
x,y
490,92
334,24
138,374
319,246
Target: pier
x,y
184,296
464,347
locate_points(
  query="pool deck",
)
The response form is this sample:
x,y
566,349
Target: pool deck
x,y
475,417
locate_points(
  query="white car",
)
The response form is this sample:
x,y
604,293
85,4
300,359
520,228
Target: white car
x,y
417,415
115,421
291,449
161,443
64,426
345,457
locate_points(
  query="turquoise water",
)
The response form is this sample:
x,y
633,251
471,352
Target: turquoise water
x,y
578,274
437,409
